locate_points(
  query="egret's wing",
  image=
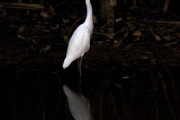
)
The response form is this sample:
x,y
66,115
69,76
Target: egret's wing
x,y
75,42
79,43
79,106
86,40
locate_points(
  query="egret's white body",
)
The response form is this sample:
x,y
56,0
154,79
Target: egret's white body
x,y
80,40
79,105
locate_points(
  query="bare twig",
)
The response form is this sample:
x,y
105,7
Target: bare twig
x,y
124,99
154,89
133,94
164,89
175,89
157,115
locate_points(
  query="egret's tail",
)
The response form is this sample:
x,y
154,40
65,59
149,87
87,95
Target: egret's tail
x,y
67,62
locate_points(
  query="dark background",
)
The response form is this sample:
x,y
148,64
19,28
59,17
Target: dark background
x,y
136,78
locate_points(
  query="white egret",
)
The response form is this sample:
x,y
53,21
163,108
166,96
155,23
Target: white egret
x,y
80,40
79,105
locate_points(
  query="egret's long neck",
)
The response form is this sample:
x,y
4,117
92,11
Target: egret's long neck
x,y
89,16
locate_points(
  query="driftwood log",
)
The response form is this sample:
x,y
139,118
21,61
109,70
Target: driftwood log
x,y
21,6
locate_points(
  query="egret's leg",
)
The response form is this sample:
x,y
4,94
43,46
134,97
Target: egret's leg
x,y
79,66
79,69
